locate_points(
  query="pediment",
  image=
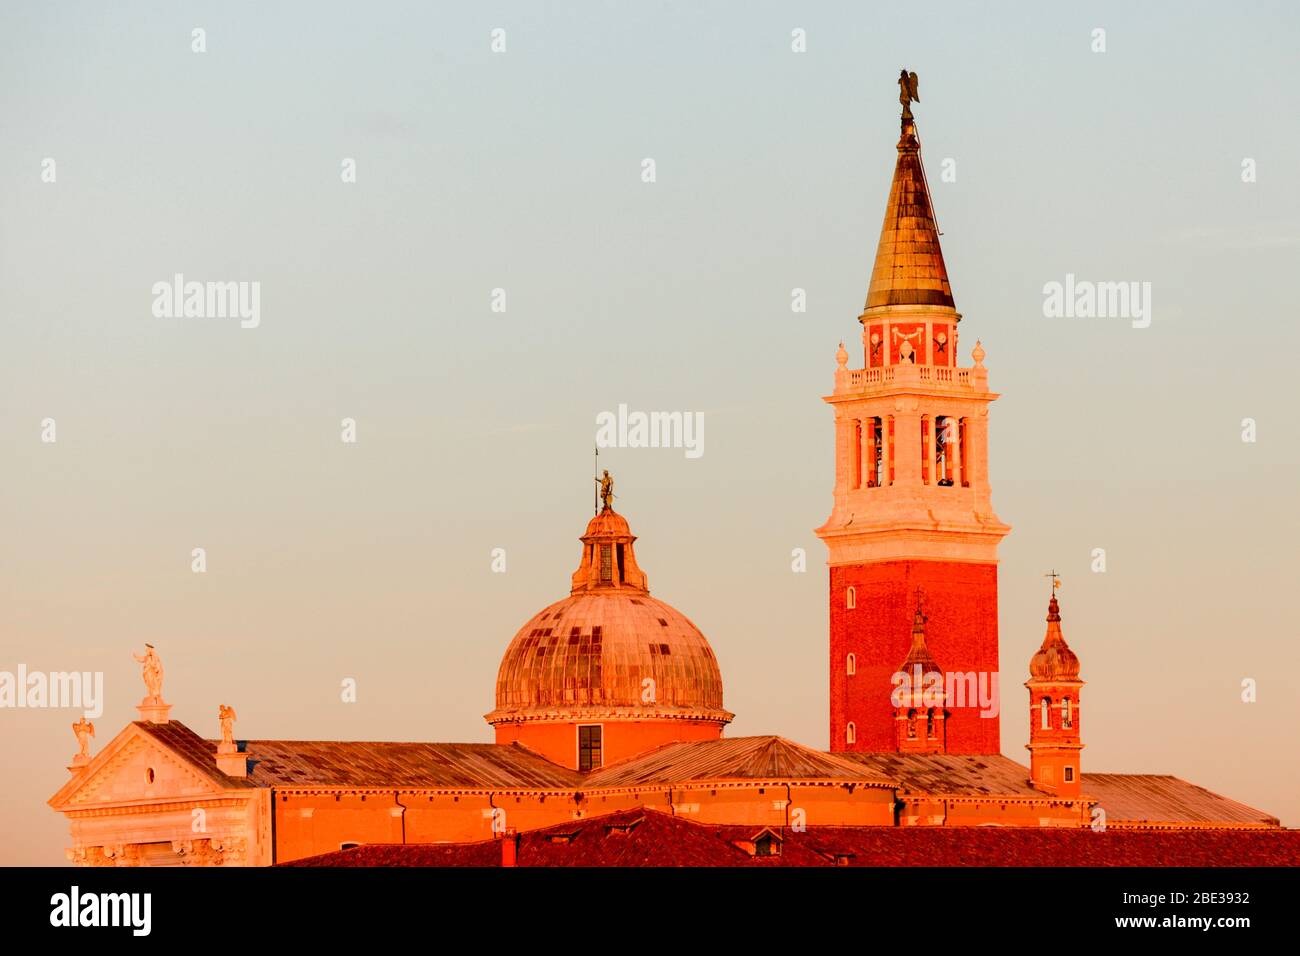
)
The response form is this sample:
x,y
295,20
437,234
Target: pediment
x,y
134,767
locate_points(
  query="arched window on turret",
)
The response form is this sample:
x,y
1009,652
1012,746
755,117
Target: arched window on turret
x,y
929,723
851,598
1045,706
911,725
851,665
850,734
1067,713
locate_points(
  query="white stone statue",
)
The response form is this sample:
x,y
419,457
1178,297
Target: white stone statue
x,y
226,716
152,672
84,730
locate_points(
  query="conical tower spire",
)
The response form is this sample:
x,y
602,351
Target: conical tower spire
x,y
909,267
919,654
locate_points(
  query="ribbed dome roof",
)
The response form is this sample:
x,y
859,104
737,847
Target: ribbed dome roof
x,y
592,653
1054,660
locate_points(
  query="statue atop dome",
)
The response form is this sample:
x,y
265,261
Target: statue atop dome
x,y
606,490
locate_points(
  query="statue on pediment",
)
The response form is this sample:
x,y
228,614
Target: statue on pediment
x,y
84,730
152,671
226,717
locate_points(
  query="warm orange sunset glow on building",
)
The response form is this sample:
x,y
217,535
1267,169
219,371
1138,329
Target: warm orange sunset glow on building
x,y
609,710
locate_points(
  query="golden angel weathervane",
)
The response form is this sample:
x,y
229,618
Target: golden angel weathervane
x,y
907,94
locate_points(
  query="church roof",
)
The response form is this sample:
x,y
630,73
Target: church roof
x,y
909,267
955,774
652,838
732,758
1129,800
454,766
377,764
386,764
1161,800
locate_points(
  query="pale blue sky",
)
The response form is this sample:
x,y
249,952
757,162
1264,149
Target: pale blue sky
x,y
522,171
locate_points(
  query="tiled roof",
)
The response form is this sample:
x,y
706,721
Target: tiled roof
x,y
1128,799
1136,798
386,764
731,758
383,764
650,838
485,853
955,774
626,838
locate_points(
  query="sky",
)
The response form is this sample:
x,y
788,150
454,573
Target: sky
x,y
522,171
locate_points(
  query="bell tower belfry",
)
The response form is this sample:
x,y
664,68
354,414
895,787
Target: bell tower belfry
x,y
912,501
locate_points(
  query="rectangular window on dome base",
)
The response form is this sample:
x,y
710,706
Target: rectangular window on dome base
x,y
588,748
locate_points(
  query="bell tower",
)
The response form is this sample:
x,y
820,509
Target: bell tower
x,y
912,501
1055,745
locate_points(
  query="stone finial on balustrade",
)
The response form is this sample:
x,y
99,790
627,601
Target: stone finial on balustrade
x,y
841,367
979,375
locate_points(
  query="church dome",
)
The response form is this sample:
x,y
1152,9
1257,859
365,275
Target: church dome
x,y
609,649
